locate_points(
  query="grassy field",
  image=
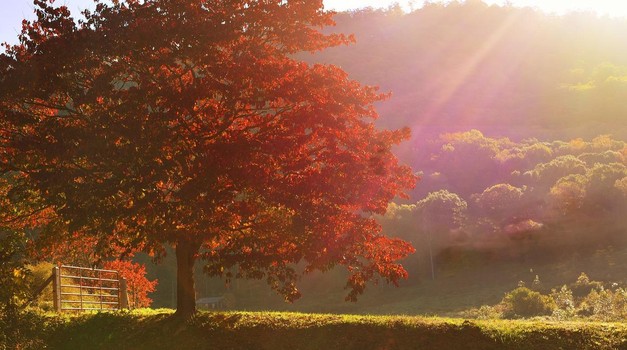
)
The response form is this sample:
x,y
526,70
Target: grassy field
x,y
147,329
453,291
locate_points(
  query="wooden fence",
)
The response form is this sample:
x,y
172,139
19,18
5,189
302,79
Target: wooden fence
x,y
81,289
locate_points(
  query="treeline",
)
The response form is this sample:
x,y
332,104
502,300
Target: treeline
x,y
514,200
505,70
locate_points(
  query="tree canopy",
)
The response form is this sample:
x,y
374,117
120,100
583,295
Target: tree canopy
x,y
191,124
560,196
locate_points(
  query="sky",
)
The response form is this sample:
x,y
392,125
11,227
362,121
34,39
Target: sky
x,y
13,11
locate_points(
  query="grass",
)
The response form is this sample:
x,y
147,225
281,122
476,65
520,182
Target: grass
x,y
453,291
147,329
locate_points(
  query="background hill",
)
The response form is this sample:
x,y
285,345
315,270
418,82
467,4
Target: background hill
x,y
506,71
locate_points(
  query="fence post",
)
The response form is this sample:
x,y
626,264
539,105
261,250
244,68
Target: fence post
x,y
56,288
123,298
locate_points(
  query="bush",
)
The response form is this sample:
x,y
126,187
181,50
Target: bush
x,y
23,330
484,312
524,302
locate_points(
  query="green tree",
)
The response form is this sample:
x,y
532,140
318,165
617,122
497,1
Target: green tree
x,y
501,202
439,213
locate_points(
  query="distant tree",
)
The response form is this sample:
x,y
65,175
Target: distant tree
x,y
500,202
190,124
439,213
400,220
546,175
604,158
621,185
464,156
601,196
524,156
568,194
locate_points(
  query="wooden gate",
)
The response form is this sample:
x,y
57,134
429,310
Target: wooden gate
x,y
81,289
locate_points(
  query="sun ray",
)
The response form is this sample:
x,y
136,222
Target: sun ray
x,y
433,111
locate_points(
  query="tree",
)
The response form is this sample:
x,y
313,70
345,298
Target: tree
x,y
440,212
501,202
191,124
567,196
138,284
545,175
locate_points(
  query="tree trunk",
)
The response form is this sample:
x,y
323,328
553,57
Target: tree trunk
x,y
185,290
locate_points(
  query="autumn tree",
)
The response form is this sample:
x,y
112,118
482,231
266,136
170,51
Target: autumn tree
x,y
139,286
191,124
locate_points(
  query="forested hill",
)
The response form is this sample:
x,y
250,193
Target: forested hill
x,y
503,70
519,123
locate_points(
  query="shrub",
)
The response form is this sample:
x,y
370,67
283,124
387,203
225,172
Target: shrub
x,y
524,302
23,330
484,312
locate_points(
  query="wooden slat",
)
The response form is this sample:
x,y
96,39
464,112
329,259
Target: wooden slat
x,y
89,302
94,295
87,269
87,287
91,278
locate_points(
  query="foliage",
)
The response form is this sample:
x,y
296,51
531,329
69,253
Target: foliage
x,y
210,137
584,286
13,273
587,300
441,210
24,330
564,303
137,283
484,312
542,125
548,193
18,218
524,302
605,304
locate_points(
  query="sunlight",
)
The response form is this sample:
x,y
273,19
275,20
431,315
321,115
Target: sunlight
x,y
464,72
343,5
609,8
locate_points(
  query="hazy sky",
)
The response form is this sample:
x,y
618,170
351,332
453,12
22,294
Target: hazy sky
x,y
13,11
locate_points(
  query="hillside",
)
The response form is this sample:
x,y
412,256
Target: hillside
x,y
506,71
